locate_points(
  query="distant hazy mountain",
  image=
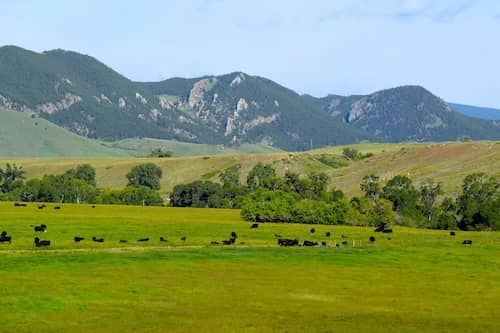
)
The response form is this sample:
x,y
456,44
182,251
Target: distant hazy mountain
x,y
477,112
87,97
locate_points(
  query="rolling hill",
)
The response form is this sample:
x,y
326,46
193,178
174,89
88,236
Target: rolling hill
x,y
24,135
445,162
85,96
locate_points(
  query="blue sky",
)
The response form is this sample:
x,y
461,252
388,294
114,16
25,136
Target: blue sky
x,y
318,47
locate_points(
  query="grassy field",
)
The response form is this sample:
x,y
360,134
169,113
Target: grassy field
x,y
419,281
446,162
144,146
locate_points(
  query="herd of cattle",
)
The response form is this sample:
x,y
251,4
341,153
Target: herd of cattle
x,y
284,242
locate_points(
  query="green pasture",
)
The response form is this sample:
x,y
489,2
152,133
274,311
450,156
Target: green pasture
x,y
418,281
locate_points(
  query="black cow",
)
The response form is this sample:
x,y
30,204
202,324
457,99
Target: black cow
x,y
41,207
323,244
452,233
467,242
234,235
309,243
93,206
379,229
254,226
163,239
183,238
143,240
41,228
17,204
288,242
4,238
229,241
57,207
123,241
313,230
387,231
98,240
214,243
328,234
277,235
40,243
78,239
371,239
345,243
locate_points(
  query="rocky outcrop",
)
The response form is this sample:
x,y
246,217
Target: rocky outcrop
x,y
198,91
64,104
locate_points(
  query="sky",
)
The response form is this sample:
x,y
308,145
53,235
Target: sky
x,y
318,47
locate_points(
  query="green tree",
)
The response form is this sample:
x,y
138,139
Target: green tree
x,y
259,174
429,191
140,196
200,194
268,206
147,174
11,177
476,203
83,172
401,192
371,187
351,154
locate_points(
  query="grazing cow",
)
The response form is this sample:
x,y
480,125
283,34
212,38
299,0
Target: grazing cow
x,y
288,242
337,245
93,206
328,234
163,239
277,235
183,238
313,230
229,241
452,233
143,240
379,229
234,235
309,243
389,238
4,238
345,243
41,207
98,240
387,231
254,226
17,204
214,243
78,239
323,244
41,228
371,239
467,242
40,243
123,241
57,207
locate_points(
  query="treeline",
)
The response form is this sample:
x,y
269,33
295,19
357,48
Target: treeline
x,y
78,185
266,197
293,199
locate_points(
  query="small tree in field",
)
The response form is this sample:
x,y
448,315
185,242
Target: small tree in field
x,y
147,174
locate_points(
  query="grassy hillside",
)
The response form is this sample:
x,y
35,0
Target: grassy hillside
x,y
410,283
22,135
144,146
446,162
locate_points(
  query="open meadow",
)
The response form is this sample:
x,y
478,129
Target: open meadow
x,y
418,281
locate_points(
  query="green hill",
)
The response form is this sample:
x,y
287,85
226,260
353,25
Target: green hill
x,y
446,162
475,111
24,135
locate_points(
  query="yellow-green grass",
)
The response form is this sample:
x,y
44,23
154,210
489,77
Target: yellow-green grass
x,y
446,162
144,147
419,281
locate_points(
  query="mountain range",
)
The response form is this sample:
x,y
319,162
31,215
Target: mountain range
x,y
85,96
